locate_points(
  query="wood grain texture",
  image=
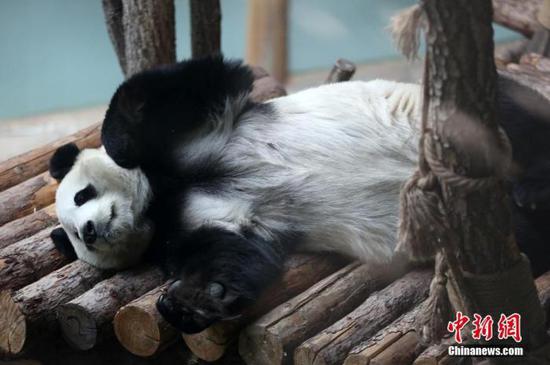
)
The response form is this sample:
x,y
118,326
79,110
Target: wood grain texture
x,y
332,345
273,337
140,328
28,260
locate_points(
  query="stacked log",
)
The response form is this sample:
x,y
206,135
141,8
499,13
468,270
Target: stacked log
x,y
273,338
86,320
301,272
27,226
28,260
33,306
331,346
395,344
27,197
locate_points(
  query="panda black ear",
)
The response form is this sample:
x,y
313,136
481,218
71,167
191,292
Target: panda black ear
x,y
63,160
62,243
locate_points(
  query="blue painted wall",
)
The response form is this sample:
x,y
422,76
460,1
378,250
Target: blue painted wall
x,y
56,54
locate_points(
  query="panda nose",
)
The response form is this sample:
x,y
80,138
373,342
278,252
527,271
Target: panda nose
x,y
90,234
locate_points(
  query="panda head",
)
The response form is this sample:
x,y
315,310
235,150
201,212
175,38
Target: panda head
x,y
101,207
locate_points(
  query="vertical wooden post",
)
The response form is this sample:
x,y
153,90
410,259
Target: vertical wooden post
x,y
206,18
267,36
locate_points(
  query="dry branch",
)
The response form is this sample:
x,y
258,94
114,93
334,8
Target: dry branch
x,y
301,272
140,328
273,338
22,167
332,345
27,226
27,197
33,307
206,19
28,260
520,16
86,320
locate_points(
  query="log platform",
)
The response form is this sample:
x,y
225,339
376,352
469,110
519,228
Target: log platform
x,y
323,310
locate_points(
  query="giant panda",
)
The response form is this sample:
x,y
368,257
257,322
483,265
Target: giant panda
x,y
227,187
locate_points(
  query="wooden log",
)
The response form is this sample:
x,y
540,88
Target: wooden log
x,y
86,320
267,30
28,260
206,29
432,355
27,226
273,338
387,337
140,328
343,70
301,272
402,351
332,345
27,197
32,307
520,16
22,167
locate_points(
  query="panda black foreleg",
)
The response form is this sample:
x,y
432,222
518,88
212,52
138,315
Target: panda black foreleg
x,y
222,273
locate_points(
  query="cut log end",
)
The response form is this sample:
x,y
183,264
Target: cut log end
x,y
210,344
138,331
79,328
12,320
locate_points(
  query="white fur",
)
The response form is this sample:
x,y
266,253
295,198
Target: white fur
x,y
122,240
330,164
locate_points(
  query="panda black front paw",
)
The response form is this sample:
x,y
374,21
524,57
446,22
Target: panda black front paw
x,y
192,310
62,243
532,194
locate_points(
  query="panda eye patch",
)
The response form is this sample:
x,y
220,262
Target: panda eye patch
x,y
84,195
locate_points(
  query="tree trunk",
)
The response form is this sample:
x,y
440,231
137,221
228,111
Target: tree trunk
x,y
461,93
142,33
301,272
206,30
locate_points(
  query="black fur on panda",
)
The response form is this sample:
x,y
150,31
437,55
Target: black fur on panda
x,y
229,186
